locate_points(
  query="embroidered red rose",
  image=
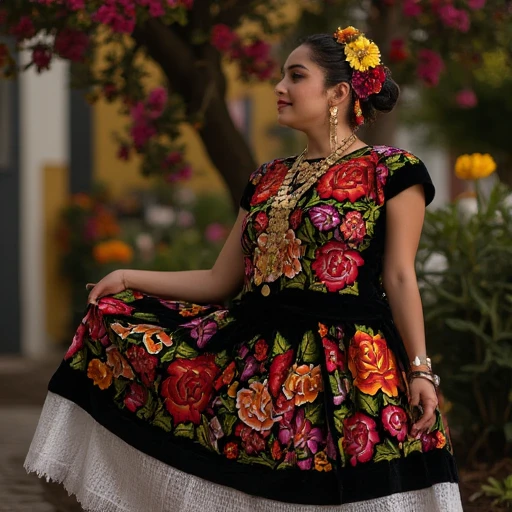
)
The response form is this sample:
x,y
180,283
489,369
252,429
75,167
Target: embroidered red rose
x,y
189,388
381,176
336,265
260,222
143,363
278,372
353,228
360,437
260,350
394,421
231,450
350,180
269,183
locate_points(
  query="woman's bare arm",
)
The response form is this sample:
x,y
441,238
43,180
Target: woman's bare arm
x,y
404,220
214,285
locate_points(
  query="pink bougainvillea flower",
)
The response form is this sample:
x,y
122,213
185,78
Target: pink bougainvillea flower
x,y
475,5
156,102
215,232
412,8
71,44
24,29
223,38
466,98
452,17
430,66
41,56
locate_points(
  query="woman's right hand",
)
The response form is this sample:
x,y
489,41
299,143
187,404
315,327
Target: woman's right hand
x,y
110,285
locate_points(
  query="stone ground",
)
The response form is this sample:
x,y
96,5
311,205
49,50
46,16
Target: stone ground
x,y
22,391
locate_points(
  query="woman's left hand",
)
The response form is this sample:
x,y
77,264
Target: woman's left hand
x,y
422,392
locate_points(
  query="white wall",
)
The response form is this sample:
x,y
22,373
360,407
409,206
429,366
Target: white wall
x,y
43,140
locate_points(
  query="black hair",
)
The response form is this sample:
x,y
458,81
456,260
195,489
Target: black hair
x,y
330,56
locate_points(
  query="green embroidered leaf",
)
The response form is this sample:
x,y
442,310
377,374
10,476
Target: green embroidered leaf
x,y
412,446
162,420
280,345
79,361
120,387
222,359
185,430
145,316
339,415
386,451
298,281
391,400
350,290
394,166
369,404
94,347
343,457
148,410
261,459
227,422
309,229
314,413
308,349
318,287
203,436
169,355
185,351
125,296
393,158
284,465
229,403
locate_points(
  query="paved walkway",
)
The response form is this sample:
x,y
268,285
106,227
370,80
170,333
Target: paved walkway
x,y
22,391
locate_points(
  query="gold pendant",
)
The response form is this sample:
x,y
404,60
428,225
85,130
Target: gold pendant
x,y
265,290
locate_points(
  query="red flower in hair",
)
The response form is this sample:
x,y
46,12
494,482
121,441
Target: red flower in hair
x,y
368,82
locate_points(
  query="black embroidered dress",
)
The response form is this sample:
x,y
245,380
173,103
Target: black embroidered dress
x,y
293,398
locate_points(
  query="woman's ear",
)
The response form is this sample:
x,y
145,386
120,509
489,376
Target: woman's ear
x,y
340,93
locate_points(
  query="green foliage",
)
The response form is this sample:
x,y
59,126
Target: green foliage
x,y
502,491
468,316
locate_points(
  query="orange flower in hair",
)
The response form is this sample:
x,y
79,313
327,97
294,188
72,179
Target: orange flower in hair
x,y
346,35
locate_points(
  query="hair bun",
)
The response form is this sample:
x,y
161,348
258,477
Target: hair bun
x,y
386,99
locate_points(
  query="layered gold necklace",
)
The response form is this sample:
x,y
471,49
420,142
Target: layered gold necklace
x,y
305,174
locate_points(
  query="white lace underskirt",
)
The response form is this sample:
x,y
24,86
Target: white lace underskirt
x,y
108,475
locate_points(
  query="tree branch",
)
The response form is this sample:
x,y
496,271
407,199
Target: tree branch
x,y
191,79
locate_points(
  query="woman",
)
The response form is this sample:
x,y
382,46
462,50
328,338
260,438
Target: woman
x,y
300,396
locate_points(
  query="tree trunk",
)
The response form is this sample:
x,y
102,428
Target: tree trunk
x,y
202,84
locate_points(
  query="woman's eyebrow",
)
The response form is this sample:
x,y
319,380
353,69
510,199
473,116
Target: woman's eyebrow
x,y
293,66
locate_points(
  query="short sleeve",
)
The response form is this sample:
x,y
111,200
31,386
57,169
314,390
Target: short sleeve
x,y
407,172
250,187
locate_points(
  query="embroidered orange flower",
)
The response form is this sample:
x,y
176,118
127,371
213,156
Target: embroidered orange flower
x,y
321,462
372,364
255,406
346,35
322,330
194,310
100,374
231,450
441,440
303,384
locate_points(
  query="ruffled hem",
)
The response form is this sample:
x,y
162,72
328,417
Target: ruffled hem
x,y
108,475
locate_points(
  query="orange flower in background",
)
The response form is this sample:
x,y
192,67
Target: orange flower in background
x,y
105,224
303,383
255,406
372,364
82,200
100,374
112,251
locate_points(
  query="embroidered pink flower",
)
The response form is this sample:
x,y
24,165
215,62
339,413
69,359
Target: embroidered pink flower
x,y
333,356
360,438
353,228
110,306
279,371
394,420
260,222
336,265
78,341
304,435
135,397
324,217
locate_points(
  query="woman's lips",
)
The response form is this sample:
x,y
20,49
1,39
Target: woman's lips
x,y
282,104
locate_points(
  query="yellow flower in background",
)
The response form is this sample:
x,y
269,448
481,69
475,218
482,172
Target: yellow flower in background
x,y
112,251
474,166
362,54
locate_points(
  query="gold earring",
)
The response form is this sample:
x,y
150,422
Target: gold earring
x,y
333,127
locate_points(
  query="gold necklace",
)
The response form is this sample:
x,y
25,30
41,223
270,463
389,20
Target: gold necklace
x,y
269,263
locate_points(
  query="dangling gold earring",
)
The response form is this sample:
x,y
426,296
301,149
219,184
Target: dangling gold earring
x,y
333,127
358,113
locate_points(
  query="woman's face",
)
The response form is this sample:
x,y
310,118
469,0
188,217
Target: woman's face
x,y
302,100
